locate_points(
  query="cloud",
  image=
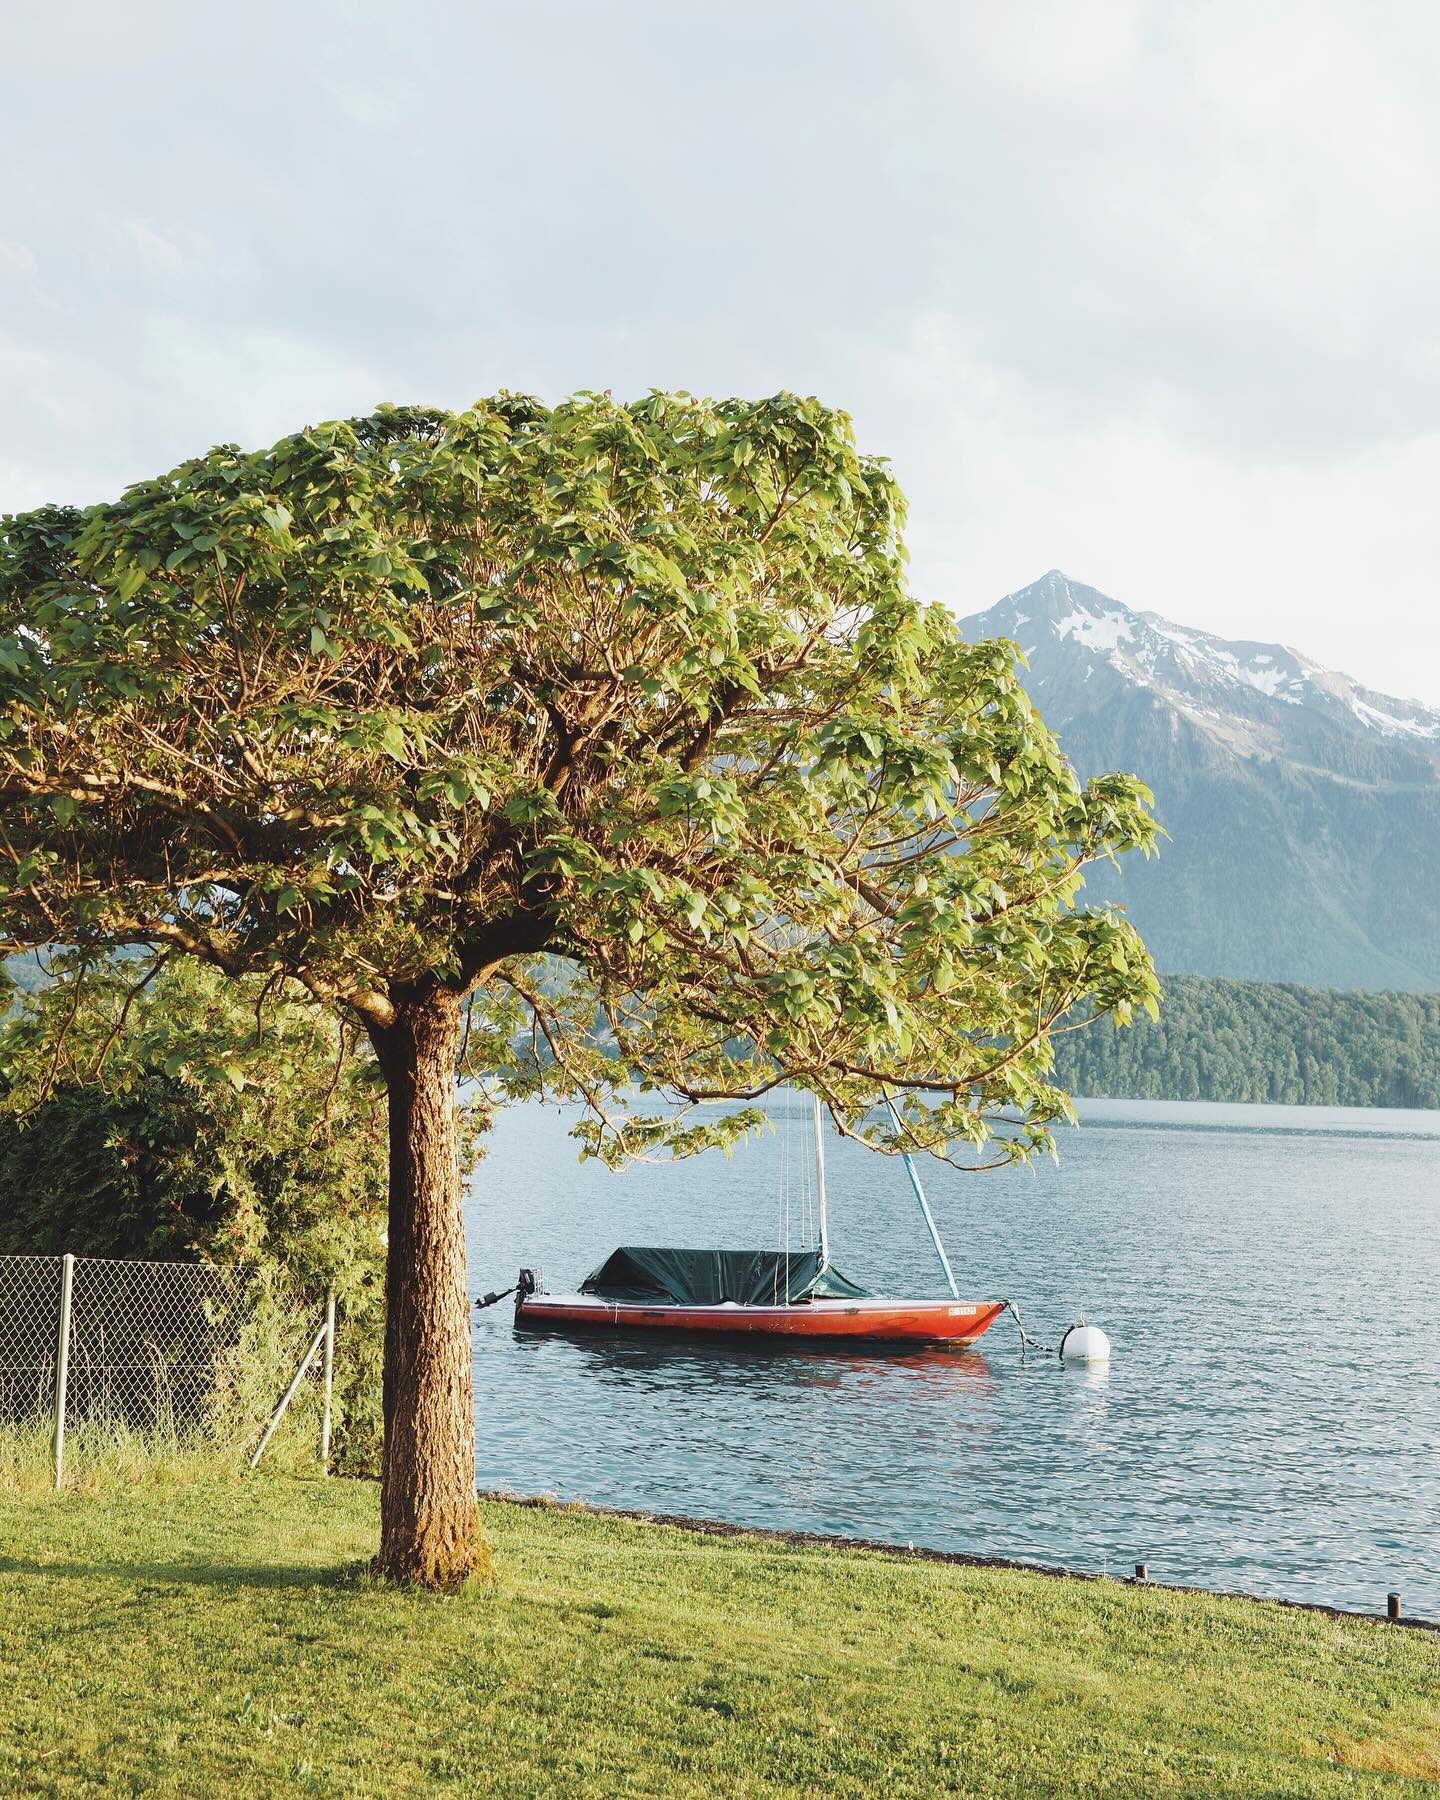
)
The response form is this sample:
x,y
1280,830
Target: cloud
x,y
152,249
17,259
1334,562
1120,285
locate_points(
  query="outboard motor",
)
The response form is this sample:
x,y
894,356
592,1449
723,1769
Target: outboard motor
x,y
527,1282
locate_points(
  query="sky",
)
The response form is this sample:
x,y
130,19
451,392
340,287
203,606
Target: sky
x,y
1148,292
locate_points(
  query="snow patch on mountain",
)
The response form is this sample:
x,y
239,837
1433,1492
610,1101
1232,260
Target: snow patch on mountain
x,y
1261,674
1302,809
1189,667
1387,722
1103,631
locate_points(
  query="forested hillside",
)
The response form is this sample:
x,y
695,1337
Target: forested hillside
x,y
1257,1040
23,972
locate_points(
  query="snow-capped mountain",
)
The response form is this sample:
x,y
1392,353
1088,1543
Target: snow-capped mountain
x,y
1303,808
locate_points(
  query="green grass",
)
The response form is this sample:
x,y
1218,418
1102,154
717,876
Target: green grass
x,y
221,1638
105,1456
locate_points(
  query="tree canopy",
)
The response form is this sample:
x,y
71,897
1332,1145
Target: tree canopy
x,y
422,694
398,707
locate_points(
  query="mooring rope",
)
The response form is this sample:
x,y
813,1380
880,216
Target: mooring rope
x,y
1026,1341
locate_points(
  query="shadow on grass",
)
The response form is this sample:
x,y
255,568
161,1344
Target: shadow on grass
x,y
156,1577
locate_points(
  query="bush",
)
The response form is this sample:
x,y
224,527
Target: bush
x,y
196,1118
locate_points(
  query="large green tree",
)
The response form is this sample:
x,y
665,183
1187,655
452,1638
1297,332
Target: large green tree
x,y
403,705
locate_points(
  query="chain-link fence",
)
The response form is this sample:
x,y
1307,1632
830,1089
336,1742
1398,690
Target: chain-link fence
x,y
170,1352
29,1333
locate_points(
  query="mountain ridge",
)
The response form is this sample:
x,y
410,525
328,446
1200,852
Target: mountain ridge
x,y
1303,808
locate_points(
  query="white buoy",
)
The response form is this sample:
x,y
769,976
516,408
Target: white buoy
x,y
1085,1343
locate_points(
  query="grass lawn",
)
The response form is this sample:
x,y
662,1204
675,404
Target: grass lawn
x,y
220,1638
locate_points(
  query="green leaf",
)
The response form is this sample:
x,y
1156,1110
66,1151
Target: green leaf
x,y
757,812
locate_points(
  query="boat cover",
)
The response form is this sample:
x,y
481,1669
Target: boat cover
x,y
710,1277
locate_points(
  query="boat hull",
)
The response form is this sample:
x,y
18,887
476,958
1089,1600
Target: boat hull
x,y
879,1322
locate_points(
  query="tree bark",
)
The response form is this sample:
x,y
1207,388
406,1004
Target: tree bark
x,y
429,1519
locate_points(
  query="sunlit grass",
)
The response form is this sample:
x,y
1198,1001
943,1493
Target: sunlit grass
x,y
223,1638
110,1453
102,1456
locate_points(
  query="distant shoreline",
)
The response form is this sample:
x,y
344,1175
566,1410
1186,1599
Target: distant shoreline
x,y
1262,1043
1143,1112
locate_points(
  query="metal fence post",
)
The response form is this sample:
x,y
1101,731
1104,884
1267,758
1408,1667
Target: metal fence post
x,y
299,1376
62,1364
329,1381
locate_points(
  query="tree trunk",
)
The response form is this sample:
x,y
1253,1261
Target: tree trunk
x,y
429,1520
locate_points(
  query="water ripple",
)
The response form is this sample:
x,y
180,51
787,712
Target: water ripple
x,y
1270,1423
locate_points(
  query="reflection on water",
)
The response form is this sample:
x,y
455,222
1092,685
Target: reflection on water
x,y
1271,1420
666,1362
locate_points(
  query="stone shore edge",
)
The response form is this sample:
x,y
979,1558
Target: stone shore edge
x,y
820,1540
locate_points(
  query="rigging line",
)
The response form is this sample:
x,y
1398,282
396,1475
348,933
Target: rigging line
x,y
783,1247
929,1217
805,1130
823,1229
795,1179
784,1244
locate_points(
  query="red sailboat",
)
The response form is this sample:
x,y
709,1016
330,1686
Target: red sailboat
x,y
779,1295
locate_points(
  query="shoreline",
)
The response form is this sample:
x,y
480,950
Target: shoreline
x,y
963,1559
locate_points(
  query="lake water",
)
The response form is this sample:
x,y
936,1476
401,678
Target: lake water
x,y
1269,1277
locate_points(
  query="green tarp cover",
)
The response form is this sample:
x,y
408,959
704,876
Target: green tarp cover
x,y
709,1277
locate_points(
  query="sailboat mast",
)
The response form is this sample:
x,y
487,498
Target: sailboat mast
x,y
925,1211
820,1183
